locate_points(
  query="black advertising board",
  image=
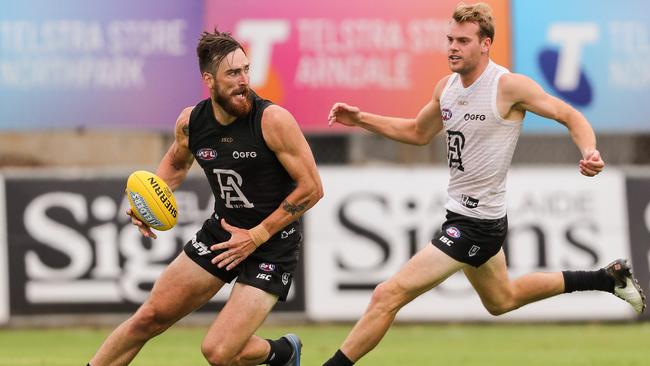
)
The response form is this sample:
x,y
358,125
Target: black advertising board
x,y
71,247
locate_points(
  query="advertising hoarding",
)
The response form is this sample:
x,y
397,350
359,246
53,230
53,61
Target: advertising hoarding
x,y
72,249
381,56
80,64
591,54
374,219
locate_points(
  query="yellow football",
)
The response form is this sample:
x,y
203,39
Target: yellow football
x,y
151,200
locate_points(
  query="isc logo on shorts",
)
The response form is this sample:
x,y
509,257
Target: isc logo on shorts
x,y
446,240
264,276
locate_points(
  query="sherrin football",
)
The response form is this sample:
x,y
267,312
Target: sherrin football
x,y
151,200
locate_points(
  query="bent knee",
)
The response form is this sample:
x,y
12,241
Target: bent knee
x,y
216,355
148,322
499,308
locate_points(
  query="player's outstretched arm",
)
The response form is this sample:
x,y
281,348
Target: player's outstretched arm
x,y
528,95
178,160
415,131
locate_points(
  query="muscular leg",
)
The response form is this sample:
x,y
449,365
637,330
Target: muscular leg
x,y
182,288
425,270
500,295
230,339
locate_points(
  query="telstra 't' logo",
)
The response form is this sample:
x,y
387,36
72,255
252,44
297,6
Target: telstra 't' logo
x,y
562,66
261,35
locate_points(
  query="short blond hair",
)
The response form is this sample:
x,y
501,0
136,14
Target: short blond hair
x,y
479,13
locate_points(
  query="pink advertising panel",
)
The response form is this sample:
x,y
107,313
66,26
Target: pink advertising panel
x,y
383,56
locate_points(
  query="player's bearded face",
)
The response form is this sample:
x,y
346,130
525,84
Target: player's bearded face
x,y
236,102
231,89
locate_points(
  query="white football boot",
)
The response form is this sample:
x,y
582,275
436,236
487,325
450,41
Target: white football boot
x,y
626,286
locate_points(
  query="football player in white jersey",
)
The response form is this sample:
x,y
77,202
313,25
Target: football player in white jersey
x,y
479,104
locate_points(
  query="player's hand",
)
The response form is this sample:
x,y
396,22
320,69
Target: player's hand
x,y
238,247
592,164
142,227
344,114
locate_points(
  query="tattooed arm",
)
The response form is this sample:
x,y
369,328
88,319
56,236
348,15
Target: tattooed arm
x,y
178,160
284,138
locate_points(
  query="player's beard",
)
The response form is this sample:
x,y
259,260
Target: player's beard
x,y
231,104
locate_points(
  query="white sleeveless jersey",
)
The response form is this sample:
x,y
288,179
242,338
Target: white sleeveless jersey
x,y
480,145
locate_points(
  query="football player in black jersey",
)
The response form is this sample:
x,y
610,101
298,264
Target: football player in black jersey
x,y
264,177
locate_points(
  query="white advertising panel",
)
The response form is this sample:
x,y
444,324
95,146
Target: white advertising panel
x,y
373,220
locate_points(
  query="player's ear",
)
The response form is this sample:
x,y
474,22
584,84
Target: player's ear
x,y
208,80
486,42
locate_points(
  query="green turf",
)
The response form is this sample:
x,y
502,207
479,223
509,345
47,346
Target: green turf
x,y
463,345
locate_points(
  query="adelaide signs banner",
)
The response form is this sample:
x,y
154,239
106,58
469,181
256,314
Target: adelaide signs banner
x,y
67,247
72,249
374,219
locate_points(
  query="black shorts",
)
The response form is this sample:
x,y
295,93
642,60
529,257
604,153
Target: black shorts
x,y
269,268
470,240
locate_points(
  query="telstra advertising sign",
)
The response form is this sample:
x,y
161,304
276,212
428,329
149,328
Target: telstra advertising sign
x,y
591,54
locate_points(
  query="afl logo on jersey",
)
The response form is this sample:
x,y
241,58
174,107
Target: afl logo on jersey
x,y
446,114
207,154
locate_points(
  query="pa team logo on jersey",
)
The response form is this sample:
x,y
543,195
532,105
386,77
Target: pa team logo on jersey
x,y
453,232
207,154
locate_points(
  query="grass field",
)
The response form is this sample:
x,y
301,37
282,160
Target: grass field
x,y
405,345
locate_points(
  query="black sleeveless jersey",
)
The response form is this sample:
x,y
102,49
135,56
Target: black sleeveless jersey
x,y
246,178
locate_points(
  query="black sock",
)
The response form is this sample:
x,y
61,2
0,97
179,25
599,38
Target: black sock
x,y
280,352
339,359
588,280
